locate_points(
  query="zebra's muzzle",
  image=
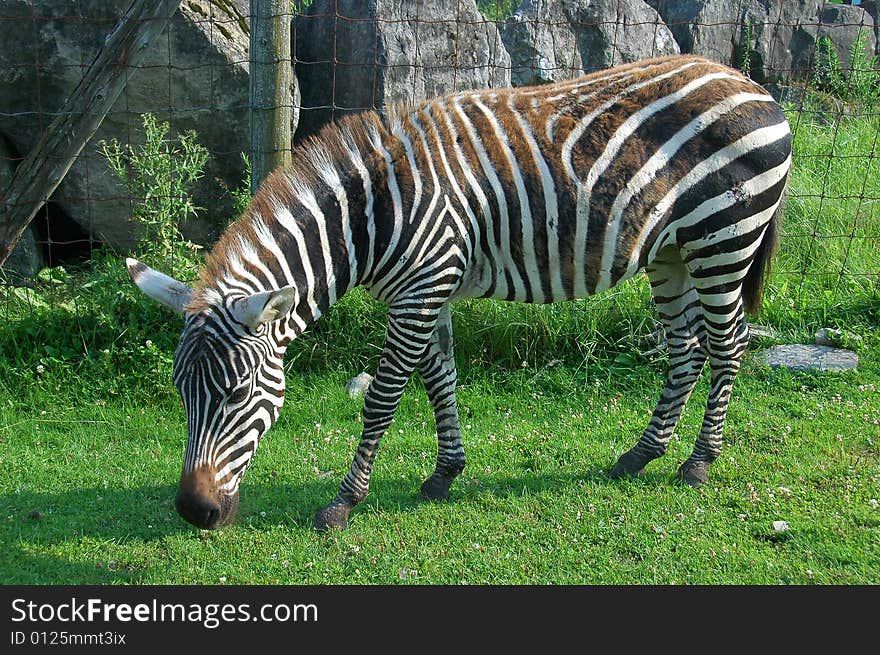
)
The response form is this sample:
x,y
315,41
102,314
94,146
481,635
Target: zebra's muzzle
x,y
199,502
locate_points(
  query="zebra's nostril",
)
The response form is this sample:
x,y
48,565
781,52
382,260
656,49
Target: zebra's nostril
x,y
212,518
198,500
205,515
202,512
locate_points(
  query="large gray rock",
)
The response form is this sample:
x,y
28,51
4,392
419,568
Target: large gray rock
x,y
612,32
26,259
872,7
353,55
779,36
844,25
195,77
552,40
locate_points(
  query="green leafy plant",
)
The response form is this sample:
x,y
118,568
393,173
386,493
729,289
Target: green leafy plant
x,y
299,6
859,83
497,9
158,176
241,195
745,59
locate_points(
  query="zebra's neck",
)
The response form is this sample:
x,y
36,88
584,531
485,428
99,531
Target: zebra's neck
x,y
310,225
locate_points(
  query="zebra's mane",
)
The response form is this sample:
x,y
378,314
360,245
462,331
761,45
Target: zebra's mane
x,y
330,147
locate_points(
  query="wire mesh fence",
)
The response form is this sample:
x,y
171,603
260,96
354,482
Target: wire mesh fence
x,y
819,60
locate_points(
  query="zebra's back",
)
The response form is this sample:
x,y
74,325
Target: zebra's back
x,y
561,191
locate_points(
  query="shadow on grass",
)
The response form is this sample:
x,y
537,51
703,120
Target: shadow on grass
x,y
76,526
396,495
65,538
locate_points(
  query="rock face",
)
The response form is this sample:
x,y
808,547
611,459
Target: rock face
x,y
552,40
872,7
612,32
777,36
26,259
777,40
387,52
195,77
844,25
541,44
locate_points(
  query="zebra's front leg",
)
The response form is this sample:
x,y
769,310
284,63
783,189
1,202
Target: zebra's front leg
x,y
439,374
408,335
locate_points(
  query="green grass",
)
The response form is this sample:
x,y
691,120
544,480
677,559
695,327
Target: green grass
x,y
827,270
497,9
88,484
92,434
831,230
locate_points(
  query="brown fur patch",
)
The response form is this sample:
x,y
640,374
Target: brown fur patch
x,y
328,145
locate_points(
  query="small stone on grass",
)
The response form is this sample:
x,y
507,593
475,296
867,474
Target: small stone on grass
x,y
799,357
358,385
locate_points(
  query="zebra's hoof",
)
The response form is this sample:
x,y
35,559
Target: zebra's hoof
x,y
628,464
436,487
693,474
335,515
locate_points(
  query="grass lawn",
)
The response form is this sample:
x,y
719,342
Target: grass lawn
x,y
87,488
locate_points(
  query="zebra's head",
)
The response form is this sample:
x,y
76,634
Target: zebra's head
x,y
228,368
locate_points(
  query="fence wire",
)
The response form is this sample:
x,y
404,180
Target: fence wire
x,y
352,55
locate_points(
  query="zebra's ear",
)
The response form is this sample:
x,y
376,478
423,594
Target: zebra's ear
x,y
264,307
163,289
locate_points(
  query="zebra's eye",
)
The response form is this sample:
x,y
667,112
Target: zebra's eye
x,y
238,395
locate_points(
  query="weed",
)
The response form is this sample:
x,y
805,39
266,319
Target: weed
x,y
860,83
158,175
241,195
497,9
745,58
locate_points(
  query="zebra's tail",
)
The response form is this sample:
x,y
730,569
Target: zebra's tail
x,y
753,283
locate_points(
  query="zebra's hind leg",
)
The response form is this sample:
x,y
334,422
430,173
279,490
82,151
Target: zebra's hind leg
x,y
437,367
727,340
410,325
680,311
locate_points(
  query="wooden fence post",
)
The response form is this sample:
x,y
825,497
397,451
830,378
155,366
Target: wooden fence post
x,y
37,177
271,76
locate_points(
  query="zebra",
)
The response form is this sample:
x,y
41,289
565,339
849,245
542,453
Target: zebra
x,y
674,165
